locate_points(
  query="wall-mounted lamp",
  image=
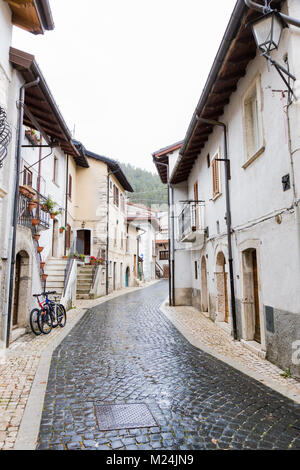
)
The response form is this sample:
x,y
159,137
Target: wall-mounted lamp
x,y
83,225
267,31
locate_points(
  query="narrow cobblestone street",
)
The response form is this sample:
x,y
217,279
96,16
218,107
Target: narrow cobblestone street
x,y
126,352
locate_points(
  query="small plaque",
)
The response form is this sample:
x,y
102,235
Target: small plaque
x,y
270,325
113,417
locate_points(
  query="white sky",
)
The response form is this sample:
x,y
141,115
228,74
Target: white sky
x,y
129,73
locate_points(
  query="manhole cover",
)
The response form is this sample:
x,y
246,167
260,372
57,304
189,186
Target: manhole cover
x,y
112,417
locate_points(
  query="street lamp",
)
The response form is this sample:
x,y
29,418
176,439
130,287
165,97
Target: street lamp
x,y
267,31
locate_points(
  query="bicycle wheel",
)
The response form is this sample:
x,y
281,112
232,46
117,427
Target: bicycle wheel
x,y
34,315
45,321
61,315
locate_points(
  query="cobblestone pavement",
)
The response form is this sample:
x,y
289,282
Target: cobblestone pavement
x,y
18,372
208,334
127,352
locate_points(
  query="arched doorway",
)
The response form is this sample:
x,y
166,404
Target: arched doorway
x,y
204,293
21,289
127,277
250,301
222,289
55,239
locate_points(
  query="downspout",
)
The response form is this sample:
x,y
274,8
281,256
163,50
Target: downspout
x,y
228,222
16,204
66,204
107,233
173,246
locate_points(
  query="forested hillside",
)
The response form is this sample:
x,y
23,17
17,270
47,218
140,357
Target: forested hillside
x,y
148,188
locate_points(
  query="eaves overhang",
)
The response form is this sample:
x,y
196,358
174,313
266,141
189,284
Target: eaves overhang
x,y
237,49
162,156
34,16
40,102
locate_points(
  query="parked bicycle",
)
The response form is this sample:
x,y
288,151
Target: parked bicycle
x,y
50,314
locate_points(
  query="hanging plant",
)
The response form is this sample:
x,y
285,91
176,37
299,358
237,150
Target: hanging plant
x,y
44,277
54,214
32,205
40,249
35,222
49,204
42,265
62,229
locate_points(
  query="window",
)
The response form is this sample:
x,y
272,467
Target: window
x,y
208,160
116,196
70,187
216,176
164,255
253,121
55,170
27,177
122,202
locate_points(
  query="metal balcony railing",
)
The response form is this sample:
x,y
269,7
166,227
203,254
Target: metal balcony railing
x,y
191,220
25,215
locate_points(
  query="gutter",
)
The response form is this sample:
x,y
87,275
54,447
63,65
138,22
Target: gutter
x,y
44,10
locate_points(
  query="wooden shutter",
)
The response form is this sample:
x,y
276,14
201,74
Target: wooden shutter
x,y
216,182
70,186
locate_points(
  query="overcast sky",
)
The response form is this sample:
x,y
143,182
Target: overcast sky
x,y
128,73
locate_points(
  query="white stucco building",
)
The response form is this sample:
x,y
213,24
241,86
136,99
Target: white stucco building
x,y
237,232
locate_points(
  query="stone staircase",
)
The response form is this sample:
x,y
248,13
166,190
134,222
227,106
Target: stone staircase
x,y
84,281
55,268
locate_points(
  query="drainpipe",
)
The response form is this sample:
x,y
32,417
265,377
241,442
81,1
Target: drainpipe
x,y
66,205
171,237
228,221
16,204
173,245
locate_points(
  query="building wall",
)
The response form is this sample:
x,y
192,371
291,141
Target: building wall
x,y
262,218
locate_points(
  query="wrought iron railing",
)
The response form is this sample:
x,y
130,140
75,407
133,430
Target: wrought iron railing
x,y
191,219
25,215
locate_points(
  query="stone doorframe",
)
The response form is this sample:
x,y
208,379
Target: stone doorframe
x,y
204,284
220,250
247,323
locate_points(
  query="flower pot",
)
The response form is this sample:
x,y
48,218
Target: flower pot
x,y
44,208
61,230
37,237
40,249
35,222
44,277
52,216
92,262
42,265
32,205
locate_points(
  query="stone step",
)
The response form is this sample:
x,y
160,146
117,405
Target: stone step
x,y
85,278
54,283
55,274
82,291
83,282
82,296
58,262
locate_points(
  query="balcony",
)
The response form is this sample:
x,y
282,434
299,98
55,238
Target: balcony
x,y
26,213
192,224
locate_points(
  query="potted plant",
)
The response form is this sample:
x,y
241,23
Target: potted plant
x,y
62,229
37,237
42,264
49,205
100,261
93,260
40,249
81,257
54,214
35,222
32,205
44,277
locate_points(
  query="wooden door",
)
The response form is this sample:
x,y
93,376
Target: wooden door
x,y
257,333
16,291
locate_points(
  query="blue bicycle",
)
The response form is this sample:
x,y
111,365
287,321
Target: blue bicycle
x,y
50,315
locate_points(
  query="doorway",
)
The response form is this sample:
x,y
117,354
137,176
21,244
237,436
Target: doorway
x,y
204,293
121,275
251,305
55,239
21,290
114,276
83,245
127,277
222,289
